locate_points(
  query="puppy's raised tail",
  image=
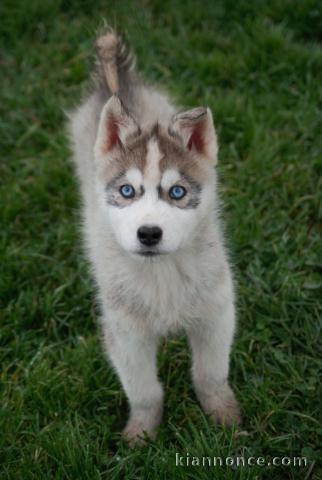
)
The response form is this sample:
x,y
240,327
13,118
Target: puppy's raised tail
x,y
115,62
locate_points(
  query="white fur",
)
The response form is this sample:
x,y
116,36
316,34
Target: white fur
x,y
151,174
169,178
134,177
189,286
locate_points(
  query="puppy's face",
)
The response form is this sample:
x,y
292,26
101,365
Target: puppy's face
x,y
154,187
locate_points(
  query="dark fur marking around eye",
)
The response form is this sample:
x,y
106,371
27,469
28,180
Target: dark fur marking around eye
x,y
195,186
191,200
196,189
111,184
112,192
114,198
193,203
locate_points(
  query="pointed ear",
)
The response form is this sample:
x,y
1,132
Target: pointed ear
x,y
115,125
197,131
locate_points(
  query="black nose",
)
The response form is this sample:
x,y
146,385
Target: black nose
x,y
149,236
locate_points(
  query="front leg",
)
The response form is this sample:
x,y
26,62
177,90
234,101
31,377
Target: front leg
x,y
211,342
133,354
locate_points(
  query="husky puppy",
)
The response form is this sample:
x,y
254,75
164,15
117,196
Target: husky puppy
x,y
150,221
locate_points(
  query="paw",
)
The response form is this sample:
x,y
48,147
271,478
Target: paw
x,y
142,425
222,406
136,434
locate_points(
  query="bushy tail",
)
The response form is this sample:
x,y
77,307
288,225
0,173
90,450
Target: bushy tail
x,y
115,62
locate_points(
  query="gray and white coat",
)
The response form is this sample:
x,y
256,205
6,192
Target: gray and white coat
x,y
128,134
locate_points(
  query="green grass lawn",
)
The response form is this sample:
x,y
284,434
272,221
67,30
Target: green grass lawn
x,y
258,65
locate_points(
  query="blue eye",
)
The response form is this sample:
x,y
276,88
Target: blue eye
x,y
177,192
127,191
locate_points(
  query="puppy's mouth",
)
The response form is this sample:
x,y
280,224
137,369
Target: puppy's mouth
x,y
150,253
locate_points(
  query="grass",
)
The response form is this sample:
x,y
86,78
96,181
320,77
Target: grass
x,y
258,66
